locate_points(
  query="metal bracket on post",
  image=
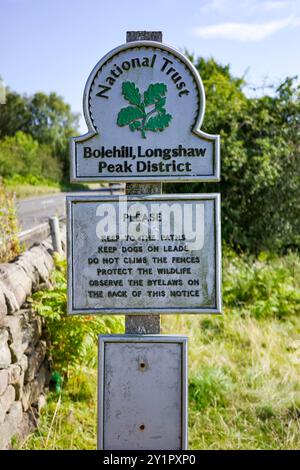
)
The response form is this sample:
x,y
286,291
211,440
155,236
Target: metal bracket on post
x,y
143,324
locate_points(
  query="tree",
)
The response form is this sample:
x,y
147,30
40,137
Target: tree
x,y
53,123
21,155
260,178
47,118
14,115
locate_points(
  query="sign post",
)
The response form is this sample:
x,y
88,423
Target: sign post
x,y
144,254
147,324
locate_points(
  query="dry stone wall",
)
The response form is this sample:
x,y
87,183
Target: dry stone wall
x,y
24,364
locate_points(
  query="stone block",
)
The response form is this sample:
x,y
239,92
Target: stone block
x,y
6,401
47,244
11,424
24,363
16,280
19,334
24,329
16,378
46,254
10,299
35,326
35,360
5,354
29,423
14,373
38,264
44,375
31,392
25,261
4,377
19,387
3,306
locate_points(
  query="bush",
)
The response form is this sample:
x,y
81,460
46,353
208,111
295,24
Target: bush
x,y
31,180
22,155
260,170
47,119
72,339
266,287
9,242
209,388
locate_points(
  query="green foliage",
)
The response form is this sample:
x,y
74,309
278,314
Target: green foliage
x,y
136,116
48,120
18,155
30,186
23,156
244,388
208,389
260,178
15,114
32,180
244,366
72,339
69,421
158,122
9,242
131,93
244,371
129,115
154,94
266,287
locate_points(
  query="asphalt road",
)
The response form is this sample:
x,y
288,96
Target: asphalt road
x,y
35,211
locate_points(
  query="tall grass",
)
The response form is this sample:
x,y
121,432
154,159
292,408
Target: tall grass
x,y
69,419
244,367
9,242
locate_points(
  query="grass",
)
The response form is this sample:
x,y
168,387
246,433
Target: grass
x,y
69,419
32,186
244,368
244,390
9,242
24,191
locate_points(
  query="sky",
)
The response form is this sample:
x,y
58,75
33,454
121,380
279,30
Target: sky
x,y
52,45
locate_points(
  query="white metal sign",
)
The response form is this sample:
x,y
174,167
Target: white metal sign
x,y
144,254
144,104
142,395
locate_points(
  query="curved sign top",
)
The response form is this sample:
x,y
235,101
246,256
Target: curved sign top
x,y
144,103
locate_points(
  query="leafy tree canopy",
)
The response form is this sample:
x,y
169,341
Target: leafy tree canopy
x,y
46,118
260,165
260,144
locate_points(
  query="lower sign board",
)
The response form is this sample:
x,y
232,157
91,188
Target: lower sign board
x,y
142,395
144,254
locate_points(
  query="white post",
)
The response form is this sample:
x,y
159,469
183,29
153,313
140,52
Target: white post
x,y
55,234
